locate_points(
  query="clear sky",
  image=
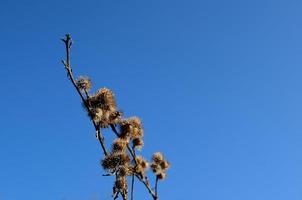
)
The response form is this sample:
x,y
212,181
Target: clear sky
x,y
217,84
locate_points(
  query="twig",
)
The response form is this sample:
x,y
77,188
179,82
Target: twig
x,y
156,183
132,186
67,65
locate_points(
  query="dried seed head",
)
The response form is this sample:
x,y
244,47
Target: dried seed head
x,y
137,128
125,129
144,164
131,128
138,143
83,83
161,175
125,170
115,117
159,165
106,99
141,165
123,158
157,157
164,164
110,162
119,145
155,168
121,184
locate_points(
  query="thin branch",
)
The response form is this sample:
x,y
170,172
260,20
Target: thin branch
x,y
67,65
132,178
132,186
147,185
156,183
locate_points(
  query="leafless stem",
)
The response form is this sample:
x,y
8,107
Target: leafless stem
x,y
156,183
67,65
68,43
132,186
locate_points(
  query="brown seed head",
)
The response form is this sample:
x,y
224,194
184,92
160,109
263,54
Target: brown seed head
x,y
138,143
110,162
119,145
125,170
164,164
83,83
121,183
155,168
161,175
157,157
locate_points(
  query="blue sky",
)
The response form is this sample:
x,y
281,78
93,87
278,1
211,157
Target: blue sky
x,y
217,84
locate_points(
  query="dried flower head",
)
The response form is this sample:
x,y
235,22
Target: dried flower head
x,y
157,157
141,165
164,164
83,83
137,128
159,165
161,175
125,170
125,129
112,161
106,99
115,117
131,128
155,168
119,145
138,143
121,183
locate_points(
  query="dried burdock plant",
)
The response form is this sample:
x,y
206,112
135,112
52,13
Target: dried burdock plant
x,y
121,161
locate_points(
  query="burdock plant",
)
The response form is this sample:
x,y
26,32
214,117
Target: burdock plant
x,y
122,160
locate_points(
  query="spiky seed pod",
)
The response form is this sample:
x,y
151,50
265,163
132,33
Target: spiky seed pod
x,y
131,128
125,170
106,99
137,128
141,165
155,168
161,175
164,164
83,83
139,159
110,162
119,145
121,183
135,121
115,117
125,129
123,158
157,157
144,164
138,143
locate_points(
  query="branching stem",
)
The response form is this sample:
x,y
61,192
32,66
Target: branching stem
x,y
67,65
68,43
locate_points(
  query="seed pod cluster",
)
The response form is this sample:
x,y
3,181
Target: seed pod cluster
x,y
159,165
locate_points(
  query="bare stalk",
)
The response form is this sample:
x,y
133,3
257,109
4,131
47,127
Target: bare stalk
x,y
68,43
132,186
67,65
156,183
